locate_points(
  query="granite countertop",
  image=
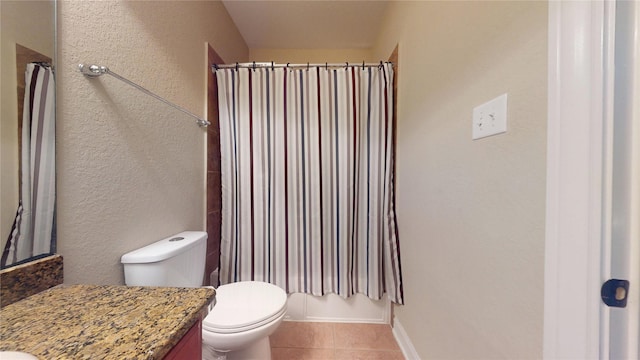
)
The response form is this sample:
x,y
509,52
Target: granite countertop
x,y
102,322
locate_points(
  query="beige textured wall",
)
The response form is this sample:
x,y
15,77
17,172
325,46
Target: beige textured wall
x,y
131,169
471,213
36,34
302,56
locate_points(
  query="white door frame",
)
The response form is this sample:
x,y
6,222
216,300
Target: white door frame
x,y
578,117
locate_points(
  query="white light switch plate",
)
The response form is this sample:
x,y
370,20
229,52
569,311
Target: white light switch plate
x,y
490,118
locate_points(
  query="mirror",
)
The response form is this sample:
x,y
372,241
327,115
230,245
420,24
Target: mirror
x,y
28,34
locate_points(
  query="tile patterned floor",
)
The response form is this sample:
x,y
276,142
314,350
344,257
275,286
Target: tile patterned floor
x,y
333,341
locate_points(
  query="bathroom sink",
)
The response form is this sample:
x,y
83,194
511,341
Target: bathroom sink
x,y
16,355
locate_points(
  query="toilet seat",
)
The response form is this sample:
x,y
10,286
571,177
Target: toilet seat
x,y
243,306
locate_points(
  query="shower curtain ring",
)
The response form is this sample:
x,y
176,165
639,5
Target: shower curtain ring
x,y
254,66
237,65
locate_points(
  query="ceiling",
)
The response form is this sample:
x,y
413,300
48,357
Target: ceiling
x,y
307,24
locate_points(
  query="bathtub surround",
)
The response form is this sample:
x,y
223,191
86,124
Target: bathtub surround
x,y
357,308
307,179
213,189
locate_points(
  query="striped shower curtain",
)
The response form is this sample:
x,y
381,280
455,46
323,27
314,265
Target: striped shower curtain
x,y
33,231
307,179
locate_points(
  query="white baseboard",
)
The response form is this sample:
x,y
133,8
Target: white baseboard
x,y
404,342
333,308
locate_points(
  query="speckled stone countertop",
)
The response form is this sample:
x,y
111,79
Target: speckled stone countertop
x,y
21,281
102,322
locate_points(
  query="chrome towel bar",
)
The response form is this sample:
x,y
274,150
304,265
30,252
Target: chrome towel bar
x,y
95,71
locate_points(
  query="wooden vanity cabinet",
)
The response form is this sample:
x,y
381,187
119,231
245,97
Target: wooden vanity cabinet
x,y
190,346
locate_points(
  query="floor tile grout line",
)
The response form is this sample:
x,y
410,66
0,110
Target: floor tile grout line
x,y
333,338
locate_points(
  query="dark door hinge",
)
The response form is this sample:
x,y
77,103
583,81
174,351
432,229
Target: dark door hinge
x,y
614,292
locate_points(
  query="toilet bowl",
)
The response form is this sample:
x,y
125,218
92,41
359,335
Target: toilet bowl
x,y
244,313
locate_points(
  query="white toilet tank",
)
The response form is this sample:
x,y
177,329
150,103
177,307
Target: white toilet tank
x,y
175,261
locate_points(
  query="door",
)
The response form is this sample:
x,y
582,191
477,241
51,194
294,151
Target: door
x,y
623,256
593,179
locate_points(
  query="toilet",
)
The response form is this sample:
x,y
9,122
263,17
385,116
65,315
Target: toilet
x,y
243,314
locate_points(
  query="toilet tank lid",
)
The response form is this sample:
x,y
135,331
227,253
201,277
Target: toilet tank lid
x,y
165,248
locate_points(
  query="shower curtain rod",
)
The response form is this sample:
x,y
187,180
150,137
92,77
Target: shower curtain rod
x,y
95,71
255,65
